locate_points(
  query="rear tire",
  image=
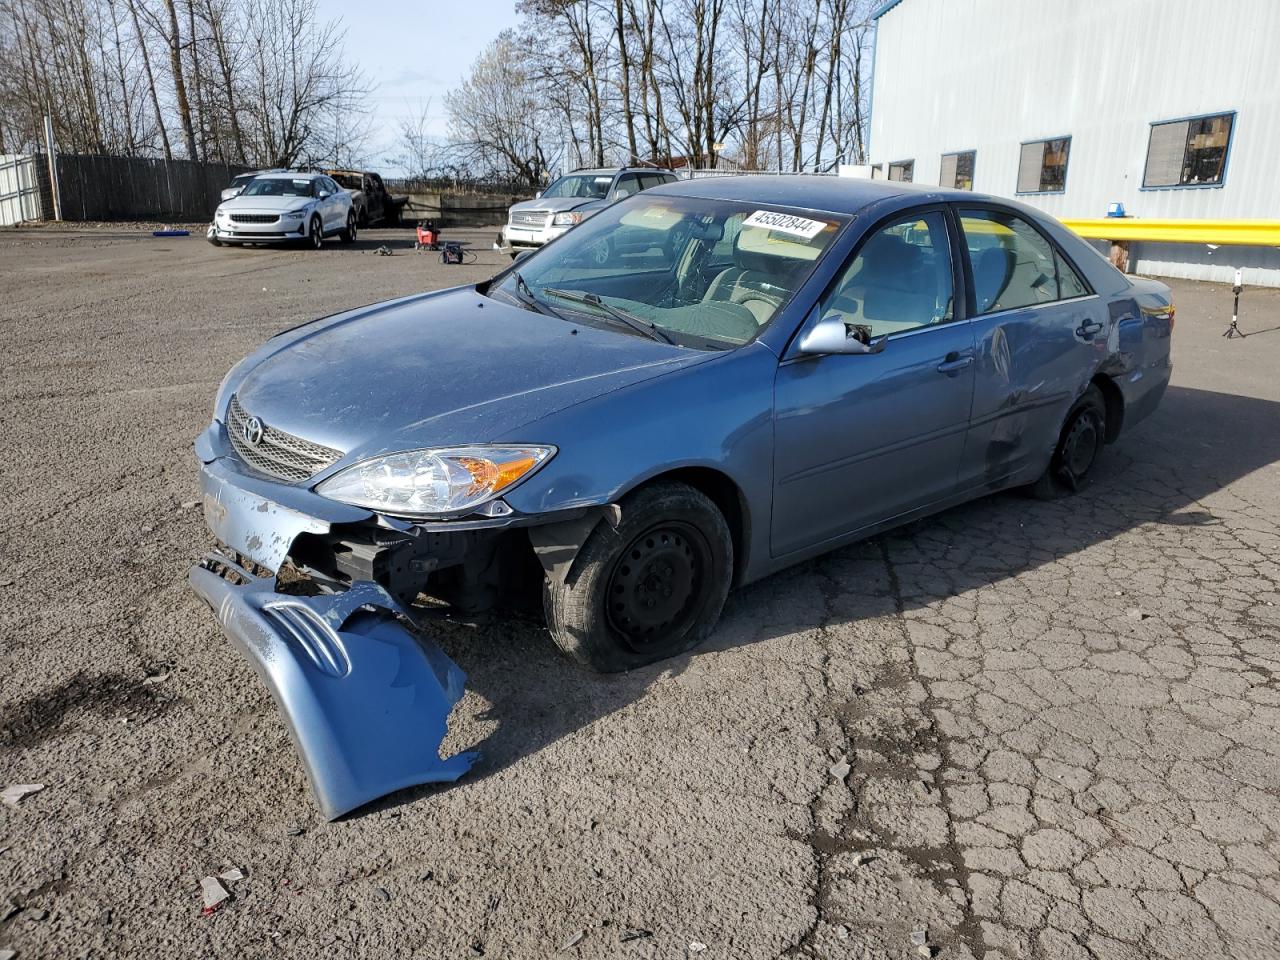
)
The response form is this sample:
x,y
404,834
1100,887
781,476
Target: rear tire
x,y
650,589
1079,443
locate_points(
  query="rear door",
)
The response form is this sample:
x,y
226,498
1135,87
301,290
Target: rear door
x,y
1039,332
860,439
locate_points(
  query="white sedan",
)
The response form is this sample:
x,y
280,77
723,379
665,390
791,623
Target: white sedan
x,y
282,207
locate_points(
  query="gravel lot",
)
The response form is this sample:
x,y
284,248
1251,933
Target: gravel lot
x,y
1062,720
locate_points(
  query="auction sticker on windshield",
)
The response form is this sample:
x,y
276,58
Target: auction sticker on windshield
x,y
785,223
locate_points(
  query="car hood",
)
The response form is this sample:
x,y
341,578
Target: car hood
x,y
243,204
449,368
555,204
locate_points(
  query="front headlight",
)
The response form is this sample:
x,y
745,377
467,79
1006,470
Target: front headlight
x,y
219,214
566,219
292,214
423,483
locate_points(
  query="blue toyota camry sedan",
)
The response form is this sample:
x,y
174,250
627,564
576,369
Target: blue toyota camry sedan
x,y
700,385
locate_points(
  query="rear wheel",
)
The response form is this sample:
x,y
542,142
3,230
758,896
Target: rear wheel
x,y
650,589
315,234
1081,440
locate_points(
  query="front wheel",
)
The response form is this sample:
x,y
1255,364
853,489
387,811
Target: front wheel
x,y
1083,434
349,233
650,589
315,234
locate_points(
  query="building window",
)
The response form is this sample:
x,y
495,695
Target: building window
x,y
902,170
1042,168
957,170
1188,153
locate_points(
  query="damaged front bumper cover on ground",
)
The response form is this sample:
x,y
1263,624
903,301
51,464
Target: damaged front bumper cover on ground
x,y
365,695
366,698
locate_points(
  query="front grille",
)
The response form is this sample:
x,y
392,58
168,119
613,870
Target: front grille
x,y
254,217
528,218
278,454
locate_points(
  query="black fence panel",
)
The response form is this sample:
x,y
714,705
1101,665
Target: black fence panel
x,y
135,188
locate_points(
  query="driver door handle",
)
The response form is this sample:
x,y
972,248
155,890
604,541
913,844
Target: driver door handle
x,y
1088,328
955,362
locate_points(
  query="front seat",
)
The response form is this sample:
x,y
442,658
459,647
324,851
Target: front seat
x,y
992,270
895,284
756,280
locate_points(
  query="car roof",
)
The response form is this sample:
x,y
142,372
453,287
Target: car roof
x,y
290,175
840,195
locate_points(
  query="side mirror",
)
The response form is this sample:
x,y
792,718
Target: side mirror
x,y
323,194
833,335
521,254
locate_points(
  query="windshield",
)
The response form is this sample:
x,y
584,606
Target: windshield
x,y
278,187
708,273
584,185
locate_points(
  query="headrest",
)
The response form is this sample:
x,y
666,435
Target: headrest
x,y
889,257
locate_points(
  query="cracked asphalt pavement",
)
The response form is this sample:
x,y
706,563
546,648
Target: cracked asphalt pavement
x,y
1015,730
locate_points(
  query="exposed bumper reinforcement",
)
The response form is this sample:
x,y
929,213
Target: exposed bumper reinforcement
x,y
365,698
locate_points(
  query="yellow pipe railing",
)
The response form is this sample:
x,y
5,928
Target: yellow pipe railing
x,y
1252,233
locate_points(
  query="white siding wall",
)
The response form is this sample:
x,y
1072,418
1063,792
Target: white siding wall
x,y
987,75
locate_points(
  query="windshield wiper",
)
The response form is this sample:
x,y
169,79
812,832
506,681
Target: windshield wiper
x,y
525,294
639,324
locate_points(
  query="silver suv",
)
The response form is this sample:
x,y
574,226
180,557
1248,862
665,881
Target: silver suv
x,y
570,200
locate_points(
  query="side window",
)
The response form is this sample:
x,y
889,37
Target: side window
x,y
1013,264
648,180
628,184
1069,282
899,280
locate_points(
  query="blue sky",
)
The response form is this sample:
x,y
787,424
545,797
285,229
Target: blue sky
x,y
414,52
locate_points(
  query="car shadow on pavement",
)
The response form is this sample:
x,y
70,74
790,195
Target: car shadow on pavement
x,y
1196,443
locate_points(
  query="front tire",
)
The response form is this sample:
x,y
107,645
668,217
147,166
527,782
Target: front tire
x,y
1079,444
315,234
349,234
650,589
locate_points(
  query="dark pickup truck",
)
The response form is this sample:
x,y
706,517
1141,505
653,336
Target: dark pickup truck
x,y
369,197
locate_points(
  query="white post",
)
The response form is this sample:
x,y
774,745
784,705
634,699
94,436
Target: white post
x,y
53,167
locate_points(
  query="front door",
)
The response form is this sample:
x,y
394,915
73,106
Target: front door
x,y
859,439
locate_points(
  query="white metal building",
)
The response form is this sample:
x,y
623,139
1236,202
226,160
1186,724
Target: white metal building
x,y
1169,107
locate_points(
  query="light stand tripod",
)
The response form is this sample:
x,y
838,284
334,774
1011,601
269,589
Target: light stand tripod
x,y
1233,330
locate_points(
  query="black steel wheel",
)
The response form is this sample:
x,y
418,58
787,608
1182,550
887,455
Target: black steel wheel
x,y
655,584
1079,444
650,589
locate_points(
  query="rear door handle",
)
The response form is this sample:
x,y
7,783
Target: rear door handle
x,y
1088,328
954,362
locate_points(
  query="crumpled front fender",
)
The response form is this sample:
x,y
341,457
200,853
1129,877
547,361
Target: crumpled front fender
x,y
366,699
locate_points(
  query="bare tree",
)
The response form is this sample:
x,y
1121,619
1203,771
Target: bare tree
x,y
248,81
497,119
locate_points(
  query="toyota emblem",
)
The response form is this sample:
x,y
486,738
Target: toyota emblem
x,y
252,431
